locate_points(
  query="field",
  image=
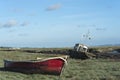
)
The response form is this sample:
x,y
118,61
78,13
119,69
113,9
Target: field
x,y
89,69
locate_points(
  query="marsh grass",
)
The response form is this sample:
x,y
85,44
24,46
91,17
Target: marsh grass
x,y
90,69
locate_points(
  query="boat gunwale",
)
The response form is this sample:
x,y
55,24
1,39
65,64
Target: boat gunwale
x,y
38,60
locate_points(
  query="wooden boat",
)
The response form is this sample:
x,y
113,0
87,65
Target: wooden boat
x,y
46,66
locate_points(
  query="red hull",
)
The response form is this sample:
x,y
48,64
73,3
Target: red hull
x,y
49,66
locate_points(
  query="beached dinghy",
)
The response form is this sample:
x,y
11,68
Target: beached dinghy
x,y
46,66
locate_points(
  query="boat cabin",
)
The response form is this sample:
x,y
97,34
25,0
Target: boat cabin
x,y
80,48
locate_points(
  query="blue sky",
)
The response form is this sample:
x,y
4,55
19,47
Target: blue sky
x,y
59,23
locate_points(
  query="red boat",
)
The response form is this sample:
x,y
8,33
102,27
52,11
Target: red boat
x,y
45,66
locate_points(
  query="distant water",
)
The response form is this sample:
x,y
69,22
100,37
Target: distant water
x,y
114,52
39,45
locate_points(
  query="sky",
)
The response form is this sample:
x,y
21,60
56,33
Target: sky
x,y
59,23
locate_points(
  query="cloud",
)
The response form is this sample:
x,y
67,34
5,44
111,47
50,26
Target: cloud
x,y
12,30
13,23
32,14
0,24
10,23
23,34
53,7
84,25
82,15
73,16
25,24
17,10
100,29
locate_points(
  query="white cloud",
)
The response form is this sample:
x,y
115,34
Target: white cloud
x,y
86,25
32,14
10,23
23,34
53,7
13,23
25,24
17,10
100,29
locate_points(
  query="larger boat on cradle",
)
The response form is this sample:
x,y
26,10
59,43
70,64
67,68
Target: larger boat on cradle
x,y
46,66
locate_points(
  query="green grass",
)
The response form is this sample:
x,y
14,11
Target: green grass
x,y
91,69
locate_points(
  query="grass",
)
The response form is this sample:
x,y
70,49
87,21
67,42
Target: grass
x,y
90,69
